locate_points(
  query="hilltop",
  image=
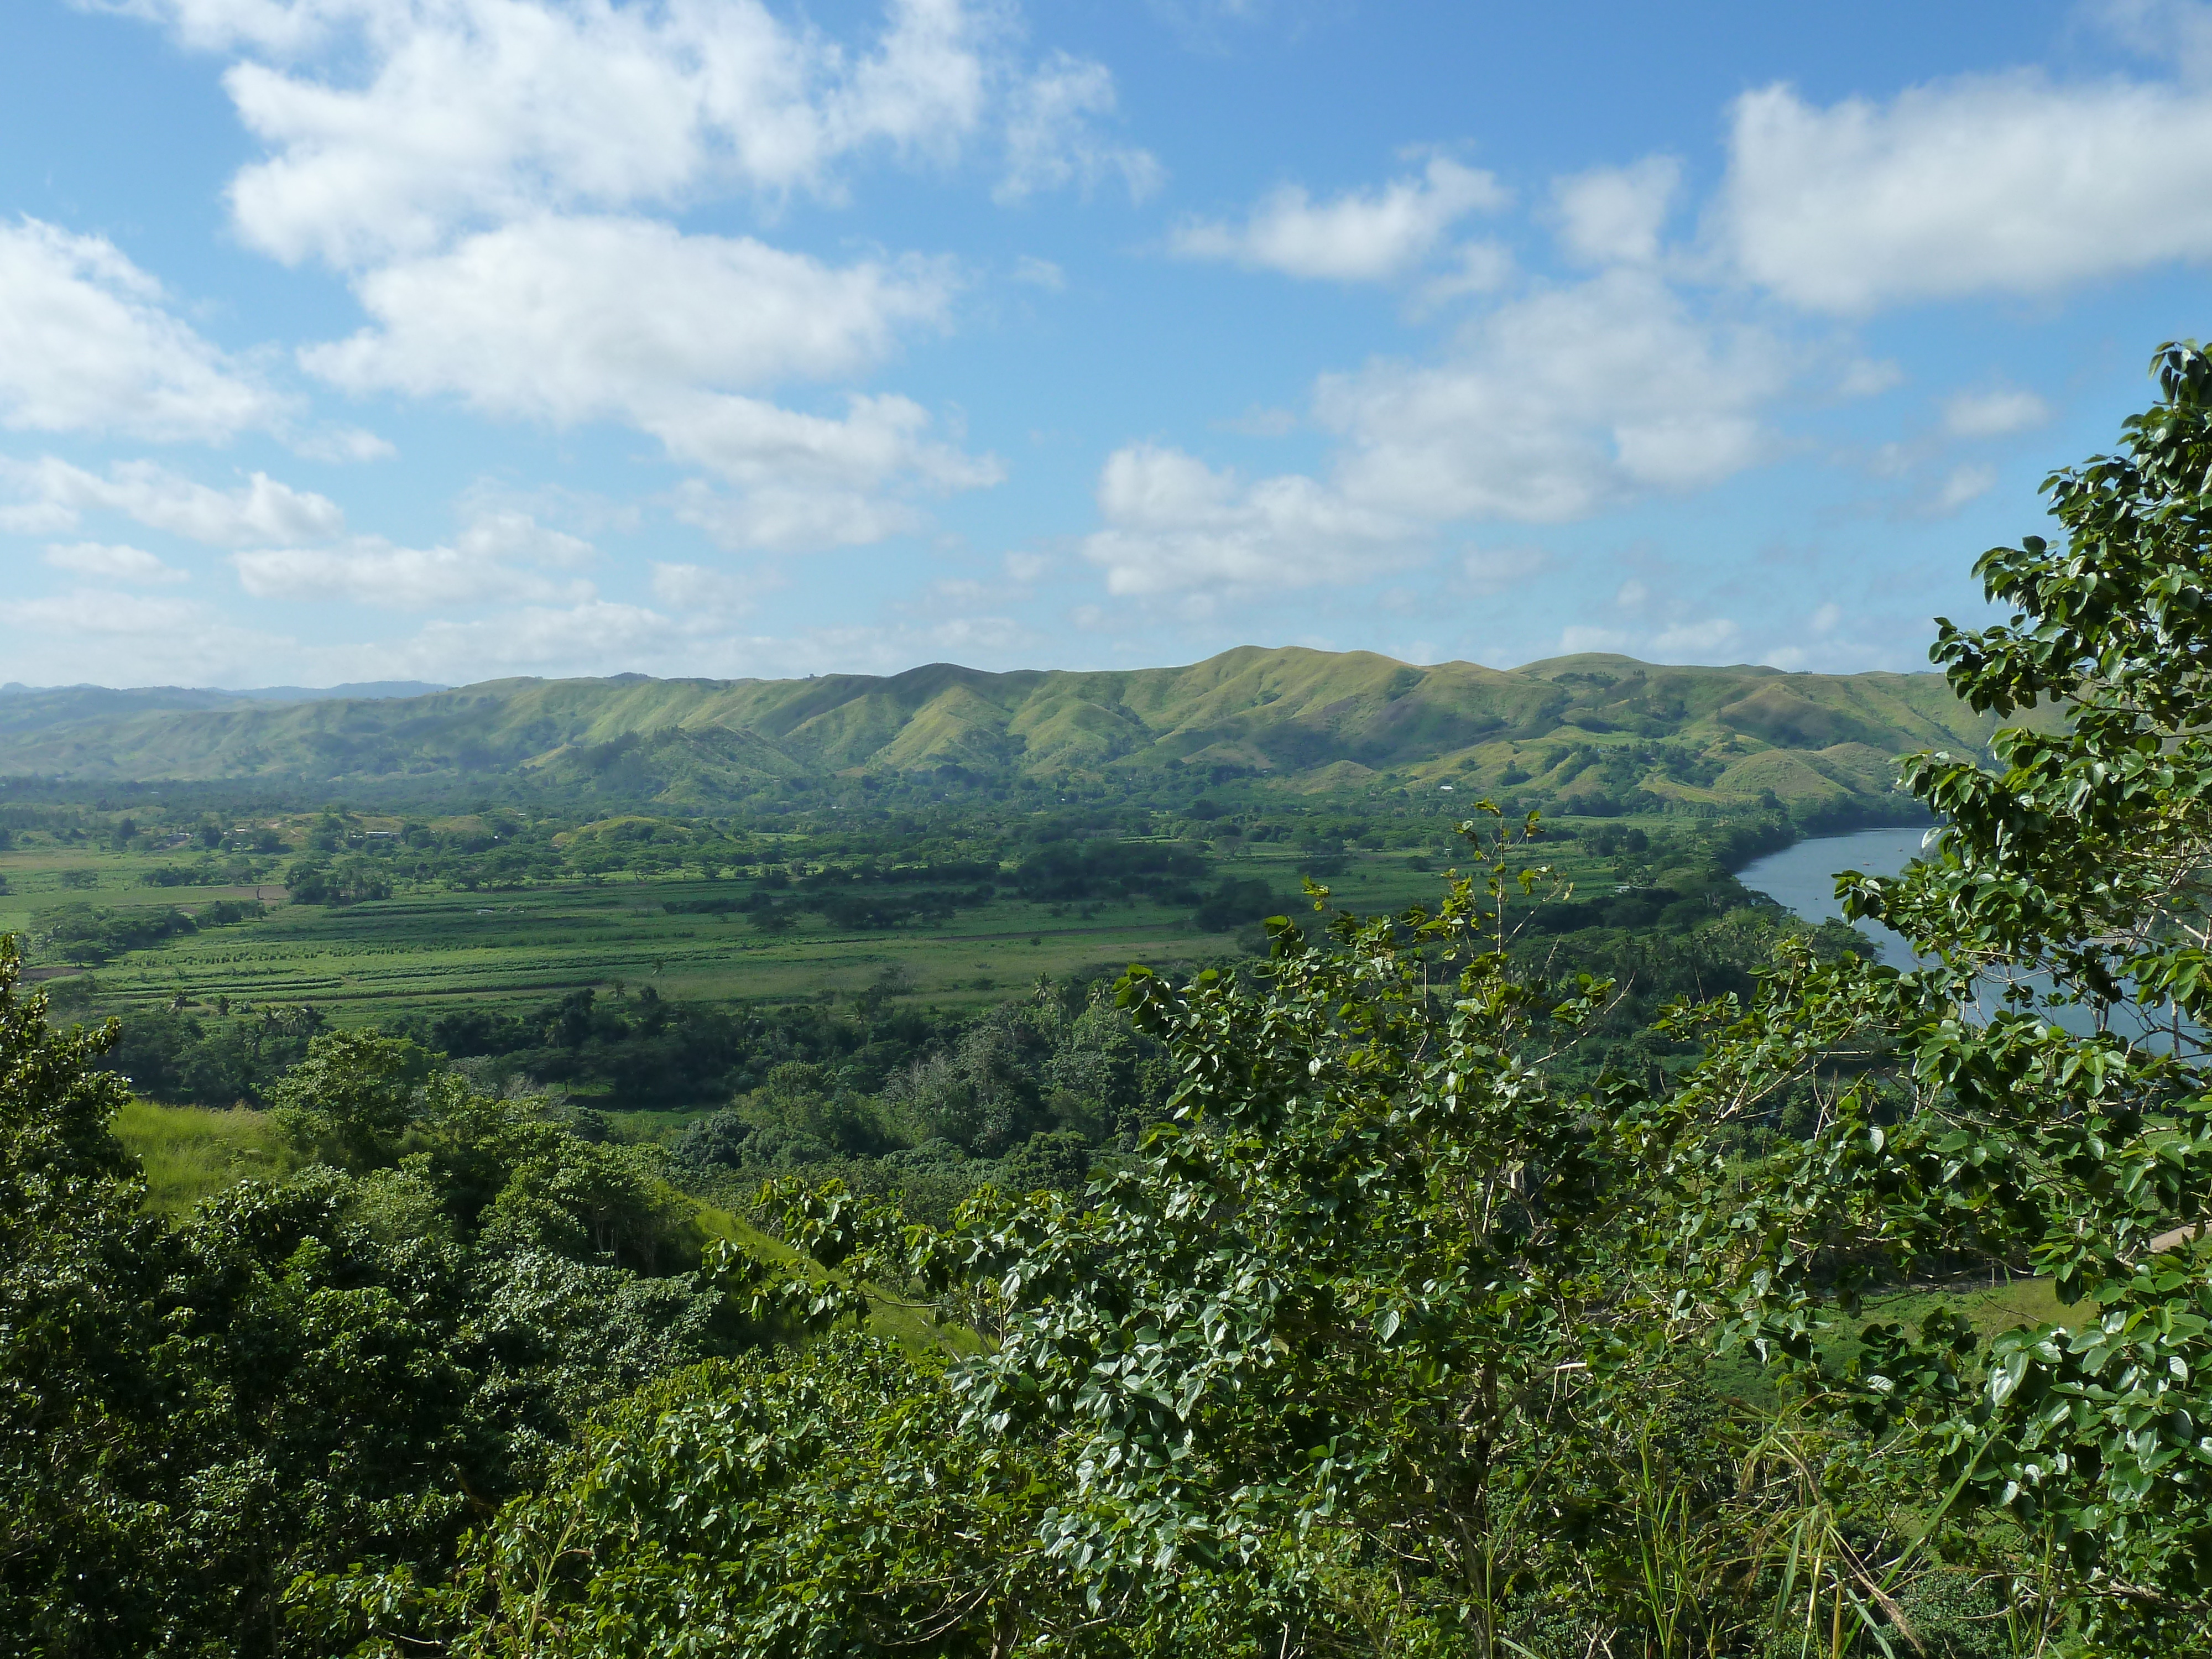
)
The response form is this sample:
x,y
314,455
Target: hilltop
x,y
1597,733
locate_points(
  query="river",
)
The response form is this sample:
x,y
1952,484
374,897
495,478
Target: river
x,y
1801,878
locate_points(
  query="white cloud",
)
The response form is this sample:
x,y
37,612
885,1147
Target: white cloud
x,y
504,533
576,318
1614,215
87,344
1363,236
1698,639
392,125
460,110
694,591
1476,268
2009,184
1633,595
113,562
110,638
1040,273
1965,483
596,636
1173,523
372,572
1551,407
341,444
810,481
773,519
601,636
55,494
1026,568
2177,30
1052,139
1869,377
1579,638
1493,569
1993,414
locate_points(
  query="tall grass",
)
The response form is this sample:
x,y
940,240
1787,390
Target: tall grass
x,y
190,1151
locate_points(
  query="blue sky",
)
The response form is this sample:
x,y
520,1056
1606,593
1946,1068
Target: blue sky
x,y
452,339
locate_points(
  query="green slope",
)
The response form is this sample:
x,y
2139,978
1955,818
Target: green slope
x,y
1582,727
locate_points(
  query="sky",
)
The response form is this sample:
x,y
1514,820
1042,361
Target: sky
x,y
450,340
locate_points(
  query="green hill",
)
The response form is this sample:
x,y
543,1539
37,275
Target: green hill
x,y
1584,730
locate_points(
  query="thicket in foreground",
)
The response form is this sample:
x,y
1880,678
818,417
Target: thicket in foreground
x,y
358,1364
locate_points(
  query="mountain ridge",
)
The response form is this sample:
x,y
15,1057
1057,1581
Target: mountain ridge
x,y
1601,725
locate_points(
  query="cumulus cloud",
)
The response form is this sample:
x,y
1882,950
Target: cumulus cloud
x,y
1174,523
1547,408
113,562
581,319
508,534
87,343
1551,406
483,565
1697,639
693,590
1579,637
1053,138
1993,414
487,109
2010,184
393,124
573,318
54,494
593,636
808,480
1494,570
112,638
1611,215
1963,485
1363,236
372,572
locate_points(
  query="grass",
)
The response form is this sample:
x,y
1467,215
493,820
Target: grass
x,y
1991,1305
891,1322
189,1152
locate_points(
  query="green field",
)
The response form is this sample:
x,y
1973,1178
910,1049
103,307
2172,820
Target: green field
x,y
434,948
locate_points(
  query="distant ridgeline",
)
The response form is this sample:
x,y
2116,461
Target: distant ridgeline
x,y
1592,734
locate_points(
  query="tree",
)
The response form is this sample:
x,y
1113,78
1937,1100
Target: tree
x,y
1359,1341
300,1378
2070,880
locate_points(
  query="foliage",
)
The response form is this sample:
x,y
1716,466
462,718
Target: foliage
x,y
334,1370
2069,879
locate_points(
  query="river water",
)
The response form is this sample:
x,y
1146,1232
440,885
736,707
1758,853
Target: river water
x,y
1802,880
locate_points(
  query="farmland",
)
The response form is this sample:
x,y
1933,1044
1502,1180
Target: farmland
x,y
430,946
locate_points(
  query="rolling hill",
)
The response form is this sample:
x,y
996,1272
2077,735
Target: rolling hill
x,y
1589,729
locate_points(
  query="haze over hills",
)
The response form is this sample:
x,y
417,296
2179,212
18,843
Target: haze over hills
x,y
1589,730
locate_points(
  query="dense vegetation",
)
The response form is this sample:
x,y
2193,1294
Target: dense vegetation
x,y
1516,1273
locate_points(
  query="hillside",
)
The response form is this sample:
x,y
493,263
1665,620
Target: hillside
x,y
1590,729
